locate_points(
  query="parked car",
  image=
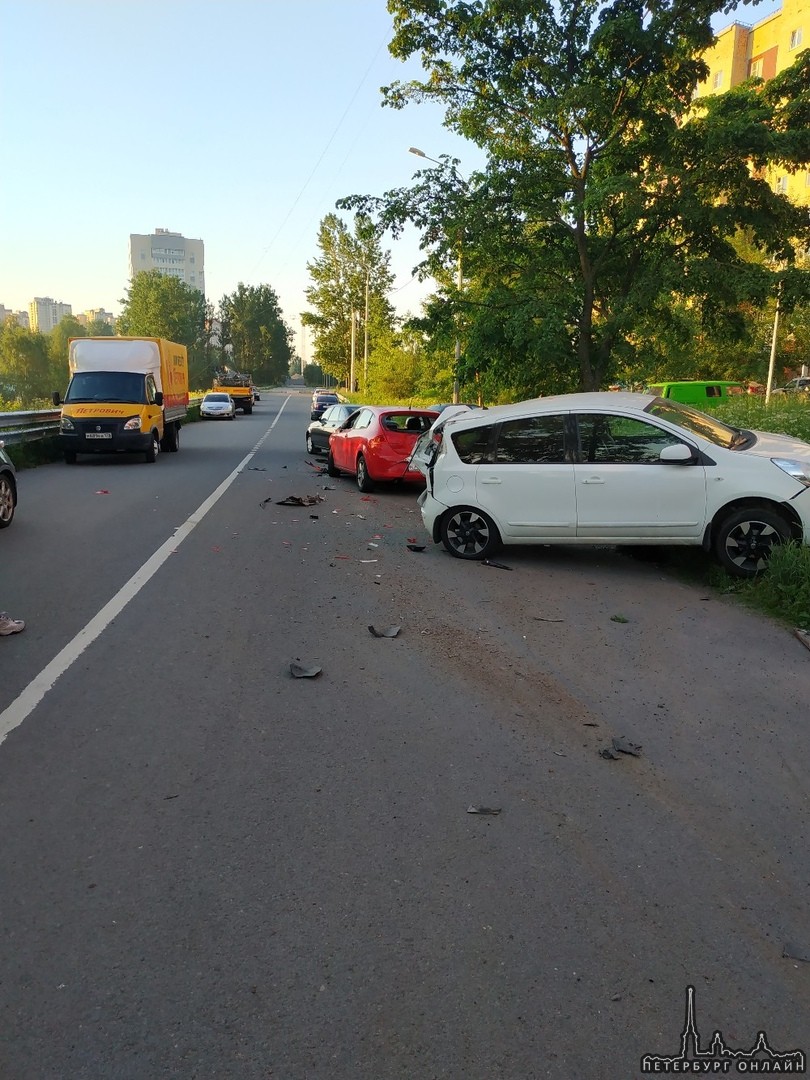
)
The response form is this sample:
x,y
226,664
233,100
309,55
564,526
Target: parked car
x,y
8,489
330,420
798,385
218,406
613,468
376,443
256,395
321,400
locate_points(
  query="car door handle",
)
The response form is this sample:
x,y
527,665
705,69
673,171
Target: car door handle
x,y
491,480
593,480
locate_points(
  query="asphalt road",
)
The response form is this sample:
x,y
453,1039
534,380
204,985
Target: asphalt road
x,y
214,870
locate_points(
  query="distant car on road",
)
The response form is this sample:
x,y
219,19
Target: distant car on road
x,y
8,489
218,406
376,443
319,430
321,400
256,395
795,386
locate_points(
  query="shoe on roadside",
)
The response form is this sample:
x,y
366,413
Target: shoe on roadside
x,y
9,625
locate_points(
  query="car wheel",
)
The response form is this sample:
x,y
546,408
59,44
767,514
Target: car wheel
x,y
744,540
364,481
151,454
331,468
6,501
171,436
70,457
311,447
469,534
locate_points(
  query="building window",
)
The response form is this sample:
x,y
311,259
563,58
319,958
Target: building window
x,y
782,185
717,81
795,38
756,69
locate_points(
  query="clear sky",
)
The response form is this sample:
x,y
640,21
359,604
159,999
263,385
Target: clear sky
x,y
238,122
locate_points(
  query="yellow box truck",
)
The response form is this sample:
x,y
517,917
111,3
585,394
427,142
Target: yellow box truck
x,y
126,394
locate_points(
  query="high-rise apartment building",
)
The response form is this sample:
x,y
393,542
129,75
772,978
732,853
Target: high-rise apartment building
x,y
763,50
44,313
169,252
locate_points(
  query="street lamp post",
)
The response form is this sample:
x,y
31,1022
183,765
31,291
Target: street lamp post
x,y
459,276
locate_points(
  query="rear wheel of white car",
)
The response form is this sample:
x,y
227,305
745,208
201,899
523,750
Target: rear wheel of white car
x,y
364,481
469,534
744,540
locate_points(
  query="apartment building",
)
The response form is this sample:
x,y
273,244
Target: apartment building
x,y
20,317
171,253
762,50
44,313
96,315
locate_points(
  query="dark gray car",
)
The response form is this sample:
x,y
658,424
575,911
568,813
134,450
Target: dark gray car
x,y
319,430
8,489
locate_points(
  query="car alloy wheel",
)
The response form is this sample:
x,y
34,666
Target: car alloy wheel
x,y
311,448
6,502
469,534
745,540
364,481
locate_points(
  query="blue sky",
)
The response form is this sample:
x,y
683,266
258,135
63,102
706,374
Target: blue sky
x,y
240,122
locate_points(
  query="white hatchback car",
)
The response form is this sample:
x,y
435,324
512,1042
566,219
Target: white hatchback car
x,y
612,468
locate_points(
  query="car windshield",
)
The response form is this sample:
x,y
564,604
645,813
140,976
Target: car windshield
x,y
217,397
107,386
698,423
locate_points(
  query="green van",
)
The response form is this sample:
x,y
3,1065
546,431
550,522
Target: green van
x,y
699,394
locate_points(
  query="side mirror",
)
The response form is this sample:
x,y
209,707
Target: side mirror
x,y
677,454
56,399
158,397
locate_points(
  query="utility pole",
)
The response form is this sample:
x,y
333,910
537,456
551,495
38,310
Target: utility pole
x,y
365,341
351,365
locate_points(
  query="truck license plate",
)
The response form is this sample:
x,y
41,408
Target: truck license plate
x,y
98,435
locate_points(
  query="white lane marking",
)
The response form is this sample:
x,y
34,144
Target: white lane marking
x,y
24,705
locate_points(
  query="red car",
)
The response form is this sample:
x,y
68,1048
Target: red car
x,y
376,443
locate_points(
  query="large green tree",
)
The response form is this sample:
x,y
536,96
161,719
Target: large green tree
x,y
606,188
258,339
351,274
27,375
160,306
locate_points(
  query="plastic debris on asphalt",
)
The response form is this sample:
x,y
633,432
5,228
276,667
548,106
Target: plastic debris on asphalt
x,y
484,810
388,631
301,671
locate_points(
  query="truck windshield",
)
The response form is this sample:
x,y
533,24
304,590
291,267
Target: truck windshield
x,y
129,386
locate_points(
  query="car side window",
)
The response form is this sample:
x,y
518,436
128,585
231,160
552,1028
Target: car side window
x,y
473,446
532,440
360,419
620,440
151,390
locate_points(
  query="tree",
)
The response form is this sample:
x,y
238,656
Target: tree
x,y
352,268
58,338
606,188
161,306
26,372
257,336
99,328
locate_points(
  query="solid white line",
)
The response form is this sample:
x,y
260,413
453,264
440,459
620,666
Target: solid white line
x,y
24,705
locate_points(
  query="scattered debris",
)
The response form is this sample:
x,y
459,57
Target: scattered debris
x,y
416,547
497,565
300,671
256,468
618,618
540,618
102,491
589,723
313,517
484,810
301,500
373,545
620,745
792,951
264,502
368,560
388,631
803,636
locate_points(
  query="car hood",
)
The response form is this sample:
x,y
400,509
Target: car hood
x,y
770,445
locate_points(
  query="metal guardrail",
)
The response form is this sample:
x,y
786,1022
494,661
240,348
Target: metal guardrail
x,y
25,427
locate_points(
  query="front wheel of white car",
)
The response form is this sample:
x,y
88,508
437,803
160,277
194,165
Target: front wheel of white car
x,y
469,534
744,540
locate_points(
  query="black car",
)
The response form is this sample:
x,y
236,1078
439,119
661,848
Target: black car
x,y
330,420
8,489
321,402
